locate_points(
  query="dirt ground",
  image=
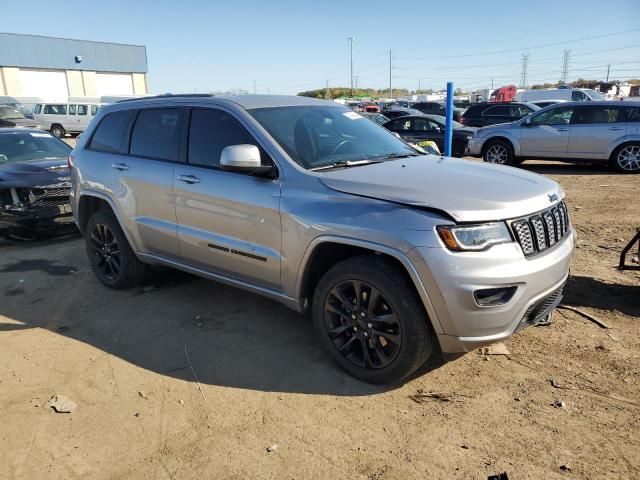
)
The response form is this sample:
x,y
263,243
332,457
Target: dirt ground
x,y
130,360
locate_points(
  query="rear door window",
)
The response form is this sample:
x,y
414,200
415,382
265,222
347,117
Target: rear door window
x,y
519,111
111,133
633,115
578,96
72,109
598,114
497,111
82,109
210,131
37,109
94,109
156,134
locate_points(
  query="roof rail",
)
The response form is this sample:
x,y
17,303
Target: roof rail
x,y
167,95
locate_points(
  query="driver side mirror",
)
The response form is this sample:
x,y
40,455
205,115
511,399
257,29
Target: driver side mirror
x,y
243,159
527,123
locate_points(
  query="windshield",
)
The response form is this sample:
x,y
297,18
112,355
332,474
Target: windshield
x,y
594,95
9,113
22,146
317,136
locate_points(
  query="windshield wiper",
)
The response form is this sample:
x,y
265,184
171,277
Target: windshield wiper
x,y
345,164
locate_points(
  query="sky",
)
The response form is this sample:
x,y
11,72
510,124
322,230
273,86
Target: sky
x,y
283,46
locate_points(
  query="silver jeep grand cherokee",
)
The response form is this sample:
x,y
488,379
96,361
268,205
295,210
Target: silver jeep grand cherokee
x,y
398,256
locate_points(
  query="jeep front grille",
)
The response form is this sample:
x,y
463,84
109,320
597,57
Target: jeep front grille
x,y
49,196
543,230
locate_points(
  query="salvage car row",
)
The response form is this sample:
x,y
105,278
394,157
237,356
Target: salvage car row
x,y
606,132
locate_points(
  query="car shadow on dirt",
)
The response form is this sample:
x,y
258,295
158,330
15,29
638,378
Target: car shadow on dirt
x,y
232,338
556,168
593,293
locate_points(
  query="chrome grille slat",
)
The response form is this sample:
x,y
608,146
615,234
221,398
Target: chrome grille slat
x,y
543,230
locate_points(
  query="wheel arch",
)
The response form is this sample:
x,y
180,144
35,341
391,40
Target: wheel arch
x,y
326,251
620,142
503,138
91,202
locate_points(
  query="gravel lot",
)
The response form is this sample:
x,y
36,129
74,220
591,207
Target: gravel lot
x,y
564,403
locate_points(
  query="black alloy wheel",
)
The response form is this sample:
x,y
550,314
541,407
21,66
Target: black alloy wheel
x,y
362,324
106,252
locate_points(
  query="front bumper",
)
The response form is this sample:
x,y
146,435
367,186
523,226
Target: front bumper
x,y
36,219
451,278
474,147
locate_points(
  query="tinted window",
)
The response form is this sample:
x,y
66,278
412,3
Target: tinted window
x,y
423,125
520,111
578,96
82,109
210,132
37,109
598,114
55,109
111,132
498,110
400,125
634,115
94,109
156,134
555,116
72,109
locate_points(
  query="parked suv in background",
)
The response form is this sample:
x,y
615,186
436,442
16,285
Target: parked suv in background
x,y
437,108
605,131
483,114
397,255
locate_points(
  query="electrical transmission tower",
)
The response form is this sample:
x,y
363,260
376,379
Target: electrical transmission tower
x,y
523,74
565,66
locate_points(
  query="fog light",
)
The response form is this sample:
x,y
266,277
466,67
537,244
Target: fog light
x,y
492,297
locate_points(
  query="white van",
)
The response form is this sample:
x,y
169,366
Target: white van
x,y
63,118
567,94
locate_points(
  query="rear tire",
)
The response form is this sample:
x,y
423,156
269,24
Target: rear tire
x,y
57,131
110,254
381,335
626,158
499,152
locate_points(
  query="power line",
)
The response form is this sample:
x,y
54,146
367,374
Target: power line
x,y
495,52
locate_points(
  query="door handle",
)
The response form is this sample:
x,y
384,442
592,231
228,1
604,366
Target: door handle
x,y
562,129
190,179
615,128
120,166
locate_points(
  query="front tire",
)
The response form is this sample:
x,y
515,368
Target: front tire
x,y
499,152
371,321
110,255
626,158
57,131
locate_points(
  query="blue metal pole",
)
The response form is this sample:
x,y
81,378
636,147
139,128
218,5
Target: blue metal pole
x,y
448,129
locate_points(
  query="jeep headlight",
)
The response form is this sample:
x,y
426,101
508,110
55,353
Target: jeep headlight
x,y
461,238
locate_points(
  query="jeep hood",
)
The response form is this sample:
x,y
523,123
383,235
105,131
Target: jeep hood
x,y
468,191
34,173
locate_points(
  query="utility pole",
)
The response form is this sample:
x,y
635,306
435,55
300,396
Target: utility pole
x,y
390,89
608,69
419,87
491,83
351,40
523,74
327,96
565,66
355,81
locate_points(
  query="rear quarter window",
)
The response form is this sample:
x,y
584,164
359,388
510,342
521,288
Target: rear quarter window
x,y
110,134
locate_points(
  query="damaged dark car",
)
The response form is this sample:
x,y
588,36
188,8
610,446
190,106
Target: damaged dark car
x,y
34,183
